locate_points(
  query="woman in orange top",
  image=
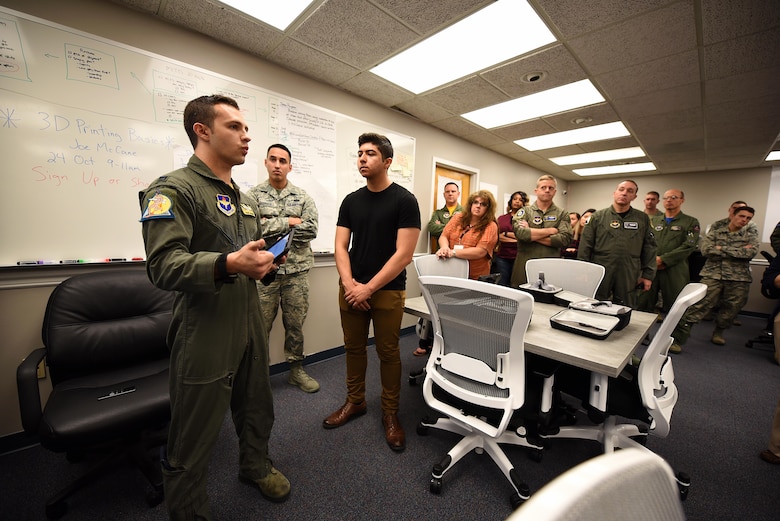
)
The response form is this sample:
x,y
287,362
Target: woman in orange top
x,y
472,234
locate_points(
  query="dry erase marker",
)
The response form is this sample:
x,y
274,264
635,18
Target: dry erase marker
x,y
116,259
70,261
27,263
138,258
47,262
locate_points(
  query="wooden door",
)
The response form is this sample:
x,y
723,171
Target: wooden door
x,y
446,175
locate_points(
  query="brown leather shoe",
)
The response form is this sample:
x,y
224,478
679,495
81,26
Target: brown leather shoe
x,y
345,413
770,457
394,433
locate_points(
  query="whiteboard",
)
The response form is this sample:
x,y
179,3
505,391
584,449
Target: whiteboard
x,y
86,123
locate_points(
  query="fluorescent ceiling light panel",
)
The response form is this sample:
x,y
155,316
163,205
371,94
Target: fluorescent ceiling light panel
x,y
615,169
597,157
276,14
500,31
559,99
774,155
573,137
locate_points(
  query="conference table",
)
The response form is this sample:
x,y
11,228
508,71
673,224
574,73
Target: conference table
x,y
607,357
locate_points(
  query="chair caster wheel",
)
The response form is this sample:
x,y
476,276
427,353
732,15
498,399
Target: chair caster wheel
x,y
422,430
516,501
535,455
56,510
412,381
435,486
684,484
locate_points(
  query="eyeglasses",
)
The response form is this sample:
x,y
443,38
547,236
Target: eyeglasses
x,y
483,205
671,197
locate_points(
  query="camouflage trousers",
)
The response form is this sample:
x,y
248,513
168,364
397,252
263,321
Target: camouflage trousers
x,y
729,295
292,292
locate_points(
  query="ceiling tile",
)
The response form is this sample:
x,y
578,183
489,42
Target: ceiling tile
x,y
355,32
466,95
659,102
727,19
746,86
559,68
426,16
669,71
424,110
222,24
458,126
376,89
742,54
311,62
593,114
642,39
571,19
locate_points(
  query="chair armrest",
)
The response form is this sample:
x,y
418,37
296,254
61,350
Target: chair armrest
x,y
29,392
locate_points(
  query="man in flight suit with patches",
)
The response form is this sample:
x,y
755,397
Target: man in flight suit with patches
x,y
621,239
201,235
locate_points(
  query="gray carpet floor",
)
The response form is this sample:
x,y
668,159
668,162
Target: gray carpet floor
x,y
721,423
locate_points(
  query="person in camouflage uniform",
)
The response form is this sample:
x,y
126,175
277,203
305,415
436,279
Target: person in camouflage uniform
x,y
726,273
442,216
676,237
284,206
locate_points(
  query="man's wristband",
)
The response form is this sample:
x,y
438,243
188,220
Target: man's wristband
x,y
220,270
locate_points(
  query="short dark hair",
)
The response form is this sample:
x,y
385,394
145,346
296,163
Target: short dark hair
x,y
201,110
279,145
653,192
745,208
448,183
381,142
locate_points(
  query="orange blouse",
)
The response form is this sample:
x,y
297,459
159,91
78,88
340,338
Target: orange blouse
x,y
471,238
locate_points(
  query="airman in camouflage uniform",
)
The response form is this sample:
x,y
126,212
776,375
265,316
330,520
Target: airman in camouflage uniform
x,y
441,217
282,207
676,237
726,273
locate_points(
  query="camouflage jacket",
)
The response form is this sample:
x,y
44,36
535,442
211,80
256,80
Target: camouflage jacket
x,y
728,253
275,207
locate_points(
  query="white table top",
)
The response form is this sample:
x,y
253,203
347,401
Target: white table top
x,y
607,357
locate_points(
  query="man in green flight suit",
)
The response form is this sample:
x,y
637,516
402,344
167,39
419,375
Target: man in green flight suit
x,y
201,235
621,239
441,217
542,228
676,236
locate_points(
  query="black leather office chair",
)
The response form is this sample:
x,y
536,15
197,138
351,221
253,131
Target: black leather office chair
x,y
104,344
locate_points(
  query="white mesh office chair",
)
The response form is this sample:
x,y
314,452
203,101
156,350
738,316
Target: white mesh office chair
x,y
646,393
572,275
476,371
628,484
432,265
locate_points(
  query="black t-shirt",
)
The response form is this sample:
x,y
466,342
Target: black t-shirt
x,y
374,219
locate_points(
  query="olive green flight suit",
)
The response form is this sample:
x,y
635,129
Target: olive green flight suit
x,y
675,241
219,352
625,246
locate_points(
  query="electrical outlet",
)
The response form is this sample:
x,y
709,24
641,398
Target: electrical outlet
x,y
42,370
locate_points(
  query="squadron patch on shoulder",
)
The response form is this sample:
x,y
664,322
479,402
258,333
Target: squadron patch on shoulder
x,y
247,210
225,205
520,212
158,206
